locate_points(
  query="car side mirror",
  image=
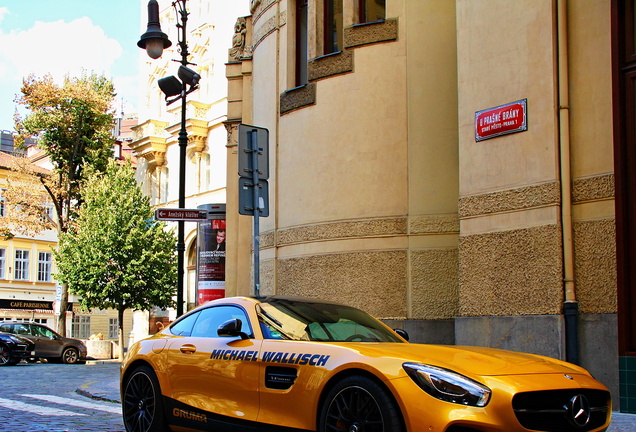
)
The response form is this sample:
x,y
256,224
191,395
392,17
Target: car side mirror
x,y
402,333
232,328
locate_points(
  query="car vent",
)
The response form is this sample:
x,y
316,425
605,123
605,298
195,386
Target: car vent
x,y
576,410
280,378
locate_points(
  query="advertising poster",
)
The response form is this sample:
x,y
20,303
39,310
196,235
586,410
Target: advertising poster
x,y
211,260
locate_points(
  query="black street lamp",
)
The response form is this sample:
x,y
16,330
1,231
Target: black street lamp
x,y
154,41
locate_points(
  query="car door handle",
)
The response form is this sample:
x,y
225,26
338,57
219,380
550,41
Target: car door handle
x,y
188,349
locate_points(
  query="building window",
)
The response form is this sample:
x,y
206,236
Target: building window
x,y
371,10
301,43
113,328
21,265
333,27
2,205
3,263
81,327
45,264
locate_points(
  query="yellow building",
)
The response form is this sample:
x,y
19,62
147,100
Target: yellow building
x,y
449,166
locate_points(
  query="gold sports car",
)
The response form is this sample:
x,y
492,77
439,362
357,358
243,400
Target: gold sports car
x,y
289,364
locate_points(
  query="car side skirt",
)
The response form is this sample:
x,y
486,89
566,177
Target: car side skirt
x,y
180,415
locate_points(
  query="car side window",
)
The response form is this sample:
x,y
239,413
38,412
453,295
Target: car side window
x,y
211,318
6,328
183,327
20,329
42,331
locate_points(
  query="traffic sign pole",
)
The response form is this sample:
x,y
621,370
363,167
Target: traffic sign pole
x,y
253,145
254,149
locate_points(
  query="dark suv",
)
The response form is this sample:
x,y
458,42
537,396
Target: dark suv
x,y
14,348
48,344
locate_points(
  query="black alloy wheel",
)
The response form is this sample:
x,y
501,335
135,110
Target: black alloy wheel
x,y
5,355
359,404
70,356
142,406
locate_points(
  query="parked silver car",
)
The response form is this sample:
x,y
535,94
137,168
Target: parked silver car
x,y
48,344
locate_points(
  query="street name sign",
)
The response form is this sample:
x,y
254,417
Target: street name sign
x,y
179,214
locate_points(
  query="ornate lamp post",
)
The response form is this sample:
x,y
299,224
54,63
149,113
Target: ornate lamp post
x,y
154,41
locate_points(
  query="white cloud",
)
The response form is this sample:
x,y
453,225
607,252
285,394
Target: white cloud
x,y
58,48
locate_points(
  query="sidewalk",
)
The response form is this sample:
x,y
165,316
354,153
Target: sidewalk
x,y
108,390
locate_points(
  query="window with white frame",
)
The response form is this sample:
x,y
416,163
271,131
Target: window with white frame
x,y
21,265
113,328
45,264
81,327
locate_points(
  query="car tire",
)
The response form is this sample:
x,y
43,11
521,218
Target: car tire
x,y
5,356
142,404
70,356
359,403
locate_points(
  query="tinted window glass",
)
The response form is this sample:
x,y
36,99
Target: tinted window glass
x,y
183,327
301,320
211,318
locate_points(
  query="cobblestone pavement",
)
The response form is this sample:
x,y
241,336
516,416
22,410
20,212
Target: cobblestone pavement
x,y
43,398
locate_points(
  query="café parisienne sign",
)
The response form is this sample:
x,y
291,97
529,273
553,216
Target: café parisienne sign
x,y
501,120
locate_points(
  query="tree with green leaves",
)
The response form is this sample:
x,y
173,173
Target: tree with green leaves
x,y
72,124
114,254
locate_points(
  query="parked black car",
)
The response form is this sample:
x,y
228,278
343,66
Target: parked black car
x,y
14,348
48,344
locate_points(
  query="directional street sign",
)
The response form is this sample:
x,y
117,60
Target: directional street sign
x,y
179,214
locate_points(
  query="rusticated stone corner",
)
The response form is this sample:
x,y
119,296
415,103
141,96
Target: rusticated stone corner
x,y
517,272
595,266
373,281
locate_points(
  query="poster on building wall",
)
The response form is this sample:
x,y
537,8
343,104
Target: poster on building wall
x,y
501,120
211,260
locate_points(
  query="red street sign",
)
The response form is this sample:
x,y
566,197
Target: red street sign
x,y
501,120
179,214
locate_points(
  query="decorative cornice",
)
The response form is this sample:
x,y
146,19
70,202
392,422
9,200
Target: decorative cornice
x,y
593,188
434,224
510,200
337,230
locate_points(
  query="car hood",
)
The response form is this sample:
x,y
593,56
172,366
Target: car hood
x,y
472,360
18,338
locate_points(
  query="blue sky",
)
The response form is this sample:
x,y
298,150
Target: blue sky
x,y
65,36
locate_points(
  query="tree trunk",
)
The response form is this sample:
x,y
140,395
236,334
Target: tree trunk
x,y
121,332
61,318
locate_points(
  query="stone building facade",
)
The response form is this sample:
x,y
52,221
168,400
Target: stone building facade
x,y
391,188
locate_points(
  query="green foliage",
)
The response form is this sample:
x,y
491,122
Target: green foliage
x,y
72,123
114,255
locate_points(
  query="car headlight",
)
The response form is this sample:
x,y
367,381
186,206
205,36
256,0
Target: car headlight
x,y
447,385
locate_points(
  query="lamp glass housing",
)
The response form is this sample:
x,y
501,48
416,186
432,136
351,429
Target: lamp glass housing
x,y
154,47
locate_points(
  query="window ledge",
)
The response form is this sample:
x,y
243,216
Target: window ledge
x,y
297,97
370,33
330,64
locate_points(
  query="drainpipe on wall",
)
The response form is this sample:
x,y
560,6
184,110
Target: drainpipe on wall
x,y
570,305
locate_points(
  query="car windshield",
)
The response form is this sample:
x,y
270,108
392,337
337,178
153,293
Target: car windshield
x,y
315,321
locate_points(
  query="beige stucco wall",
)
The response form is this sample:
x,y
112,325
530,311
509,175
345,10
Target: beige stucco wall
x,y
386,161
